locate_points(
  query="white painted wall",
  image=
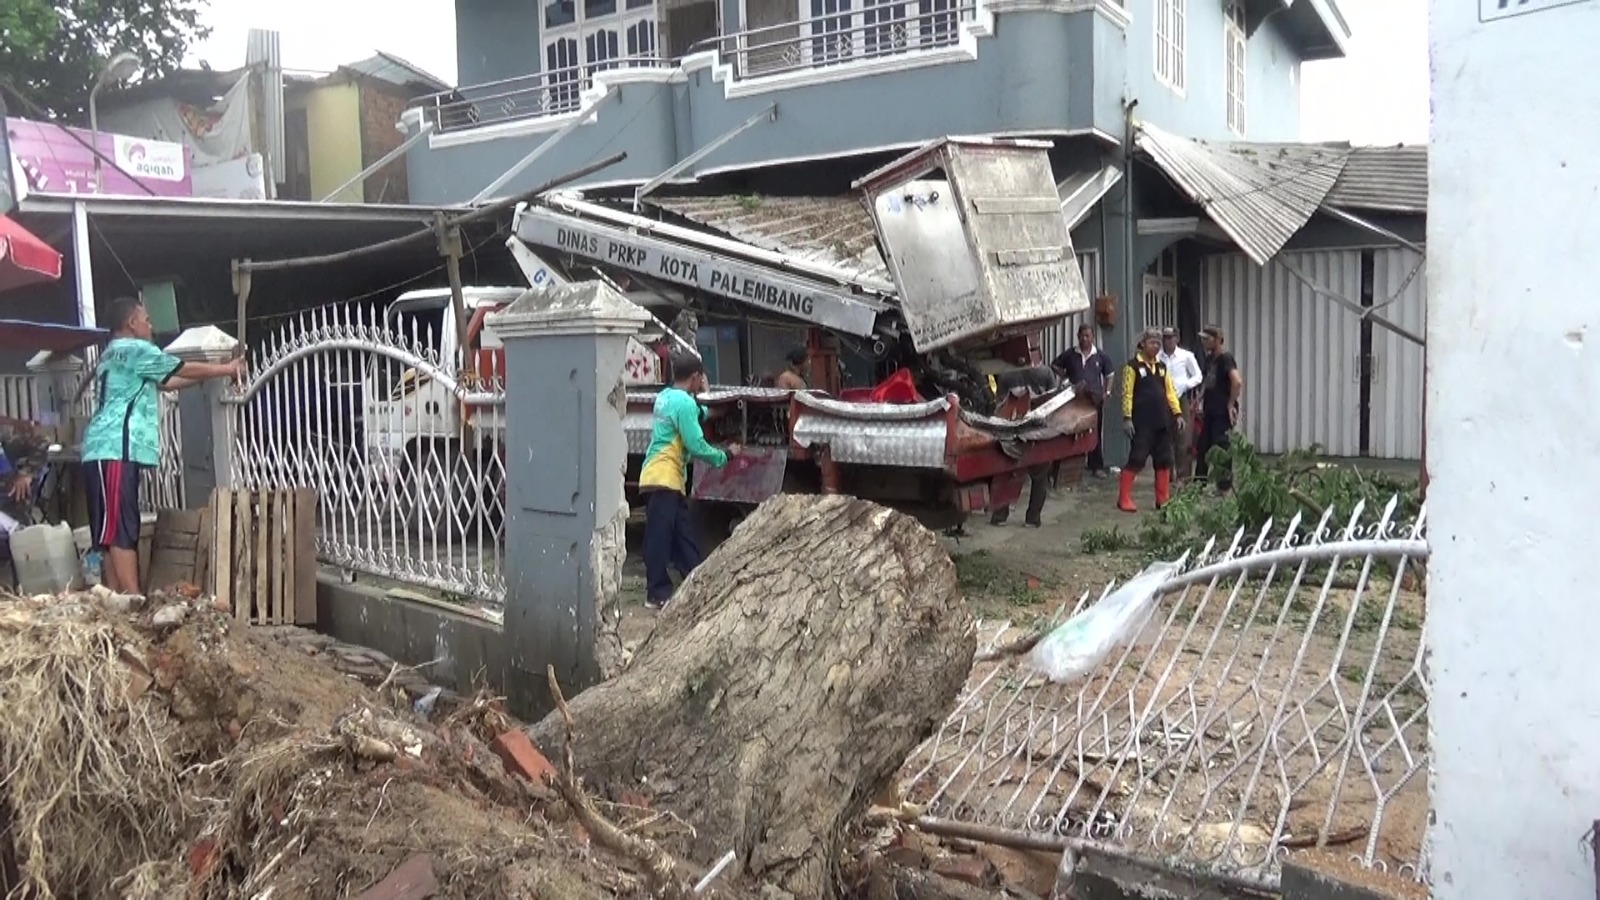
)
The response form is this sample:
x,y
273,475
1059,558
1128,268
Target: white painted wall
x,y
1513,607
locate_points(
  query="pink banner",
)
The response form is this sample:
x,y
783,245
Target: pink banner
x,y
46,158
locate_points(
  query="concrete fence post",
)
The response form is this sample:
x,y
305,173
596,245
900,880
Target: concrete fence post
x,y
564,457
203,419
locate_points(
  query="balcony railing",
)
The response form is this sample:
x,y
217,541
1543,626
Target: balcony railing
x,y
836,36
529,96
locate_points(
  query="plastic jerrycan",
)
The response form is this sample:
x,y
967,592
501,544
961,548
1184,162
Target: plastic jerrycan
x,y
46,559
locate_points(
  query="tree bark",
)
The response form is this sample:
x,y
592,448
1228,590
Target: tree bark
x,y
784,686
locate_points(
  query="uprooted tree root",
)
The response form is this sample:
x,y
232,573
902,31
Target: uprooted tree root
x,y
92,770
205,762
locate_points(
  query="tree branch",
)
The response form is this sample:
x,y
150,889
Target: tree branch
x,y
661,870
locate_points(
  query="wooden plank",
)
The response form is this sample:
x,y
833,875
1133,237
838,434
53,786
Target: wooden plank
x,y
203,553
222,549
243,546
305,556
263,537
282,605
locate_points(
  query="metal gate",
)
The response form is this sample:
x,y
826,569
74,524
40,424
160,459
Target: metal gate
x,y
1300,354
1400,287
1277,702
401,444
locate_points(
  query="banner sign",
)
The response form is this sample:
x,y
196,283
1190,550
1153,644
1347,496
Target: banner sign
x,y
56,159
712,273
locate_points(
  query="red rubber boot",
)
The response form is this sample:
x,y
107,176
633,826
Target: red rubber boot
x,y
1125,491
1163,487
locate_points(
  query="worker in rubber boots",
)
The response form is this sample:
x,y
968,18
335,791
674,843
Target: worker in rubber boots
x,y
671,535
1150,412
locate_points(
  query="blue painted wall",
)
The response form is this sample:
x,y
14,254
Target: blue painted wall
x,y
496,39
638,119
1272,78
1026,78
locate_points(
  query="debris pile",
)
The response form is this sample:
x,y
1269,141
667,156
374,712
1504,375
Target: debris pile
x,y
159,750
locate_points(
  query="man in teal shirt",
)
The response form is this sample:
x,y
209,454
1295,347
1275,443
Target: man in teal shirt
x,y
123,438
675,437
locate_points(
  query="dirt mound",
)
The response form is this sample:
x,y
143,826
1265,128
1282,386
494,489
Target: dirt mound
x,y
166,752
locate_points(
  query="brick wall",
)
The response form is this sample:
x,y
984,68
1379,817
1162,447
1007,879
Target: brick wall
x,y
380,110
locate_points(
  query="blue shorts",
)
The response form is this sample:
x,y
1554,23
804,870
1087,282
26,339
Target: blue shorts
x,y
112,486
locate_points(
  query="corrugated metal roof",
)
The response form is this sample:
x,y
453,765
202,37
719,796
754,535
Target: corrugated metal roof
x,y
833,230
1081,192
1260,194
1392,179
393,69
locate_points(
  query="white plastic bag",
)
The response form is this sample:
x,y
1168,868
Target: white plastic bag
x,y
1079,645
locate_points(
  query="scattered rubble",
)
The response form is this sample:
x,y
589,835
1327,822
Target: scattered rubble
x,y
161,750
158,749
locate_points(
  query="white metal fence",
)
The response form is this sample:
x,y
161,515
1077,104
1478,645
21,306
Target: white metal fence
x,y
19,397
1276,702
400,440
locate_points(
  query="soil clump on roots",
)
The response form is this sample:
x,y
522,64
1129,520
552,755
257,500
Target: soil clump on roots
x,y
167,752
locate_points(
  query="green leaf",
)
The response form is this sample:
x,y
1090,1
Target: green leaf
x,y
51,51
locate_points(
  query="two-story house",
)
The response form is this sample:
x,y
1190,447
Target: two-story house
x,y
751,105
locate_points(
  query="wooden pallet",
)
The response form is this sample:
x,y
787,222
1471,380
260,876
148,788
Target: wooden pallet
x,y
180,551
264,559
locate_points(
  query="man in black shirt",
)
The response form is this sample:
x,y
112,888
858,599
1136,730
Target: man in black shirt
x,y
1090,373
1222,388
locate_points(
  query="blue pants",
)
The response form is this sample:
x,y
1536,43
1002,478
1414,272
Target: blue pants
x,y
670,536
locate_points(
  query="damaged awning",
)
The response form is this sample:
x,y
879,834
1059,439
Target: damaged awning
x,y
655,250
1260,194
837,231
1080,192
832,231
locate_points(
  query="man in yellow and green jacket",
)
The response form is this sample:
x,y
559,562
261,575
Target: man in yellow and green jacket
x,y
671,535
1150,412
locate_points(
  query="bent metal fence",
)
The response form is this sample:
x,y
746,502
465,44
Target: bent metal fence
x,y
399,439
1276,703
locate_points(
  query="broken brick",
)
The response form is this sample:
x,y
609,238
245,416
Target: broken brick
x,y
968,869
634,799
521,757
413,880
203,857
139,684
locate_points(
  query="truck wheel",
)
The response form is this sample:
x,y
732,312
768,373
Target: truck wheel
x,y
717,522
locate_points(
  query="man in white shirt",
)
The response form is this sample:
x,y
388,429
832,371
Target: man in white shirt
x,y
1186,379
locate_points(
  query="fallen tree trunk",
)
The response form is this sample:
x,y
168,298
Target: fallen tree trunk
x,y
784,686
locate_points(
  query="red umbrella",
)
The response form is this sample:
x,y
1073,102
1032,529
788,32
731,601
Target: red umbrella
x,y
24,259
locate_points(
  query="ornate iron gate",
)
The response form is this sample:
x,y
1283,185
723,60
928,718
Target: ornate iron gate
x,y
1277,702
399,439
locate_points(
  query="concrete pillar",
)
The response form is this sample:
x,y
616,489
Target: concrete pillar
x,y
1512,617
202,418
564,456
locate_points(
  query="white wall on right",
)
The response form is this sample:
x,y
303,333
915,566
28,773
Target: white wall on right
x,y
1513,430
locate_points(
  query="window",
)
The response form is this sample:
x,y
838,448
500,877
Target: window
x,y
1171,26
582,37
838,31
1234,38
1161,290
